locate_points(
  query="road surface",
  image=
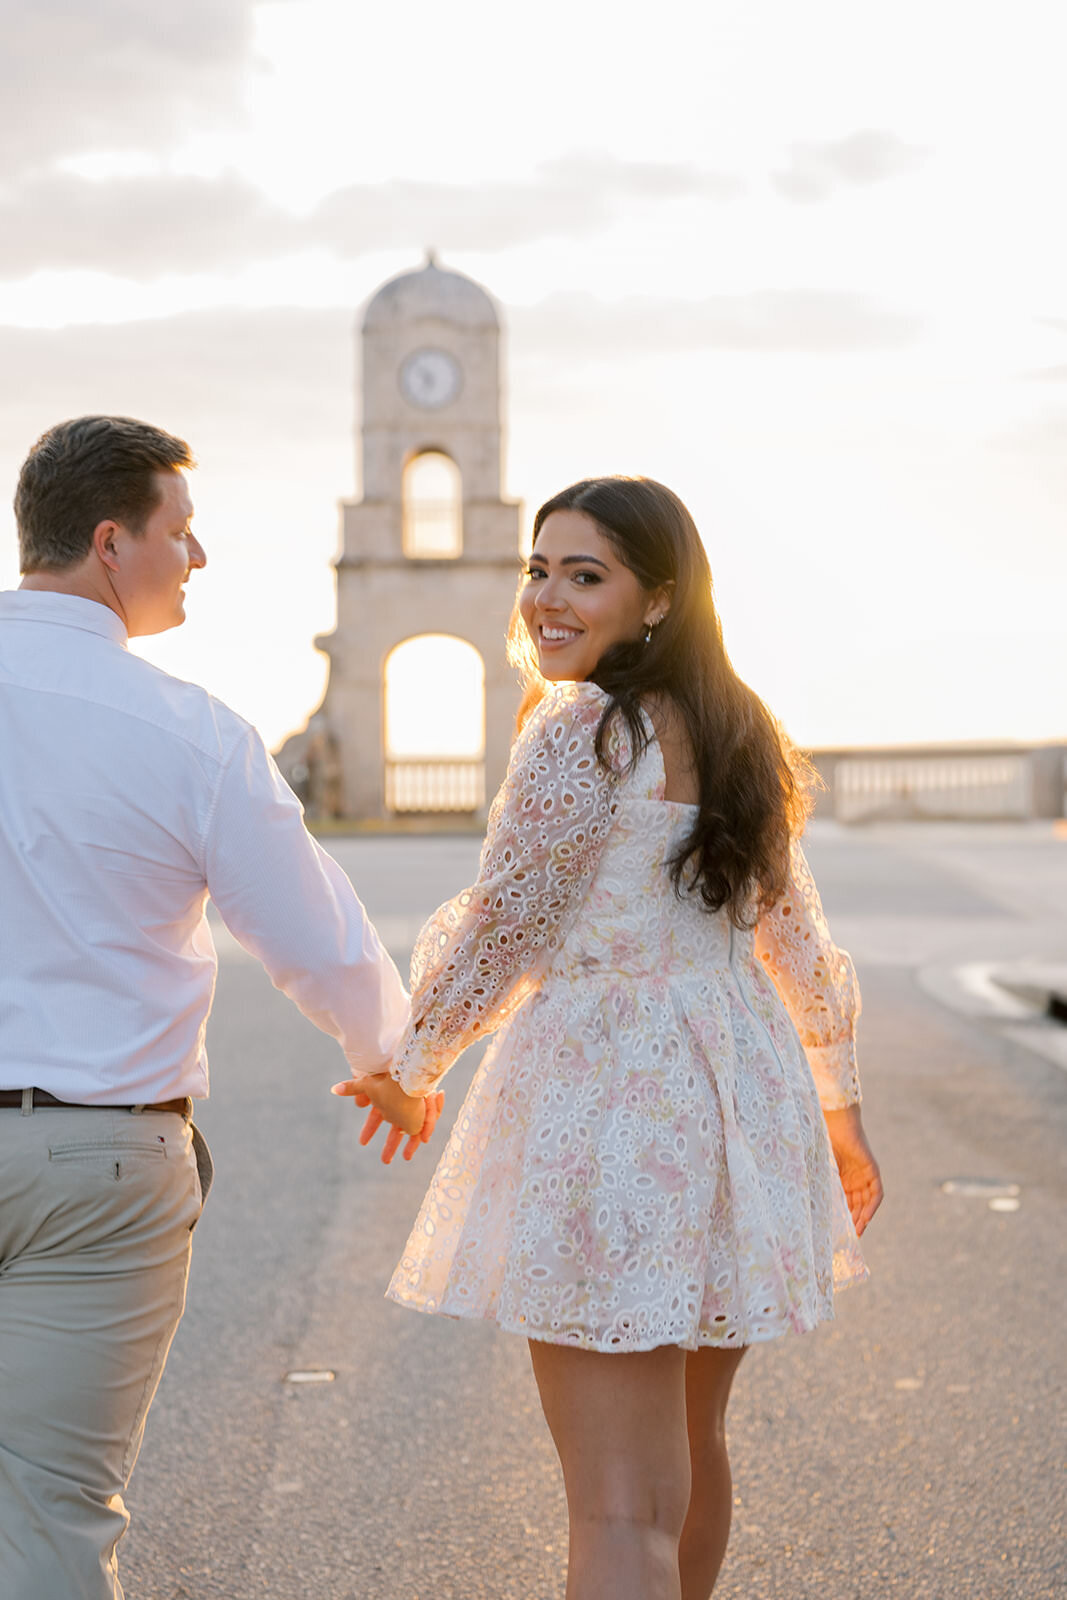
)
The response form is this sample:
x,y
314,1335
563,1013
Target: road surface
x,y
912,1449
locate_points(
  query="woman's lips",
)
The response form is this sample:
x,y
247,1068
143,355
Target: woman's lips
x,y
554,638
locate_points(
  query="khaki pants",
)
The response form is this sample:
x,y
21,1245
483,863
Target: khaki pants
x,y
96,1213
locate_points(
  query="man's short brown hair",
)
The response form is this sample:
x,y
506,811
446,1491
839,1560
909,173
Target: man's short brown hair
x,y
84,472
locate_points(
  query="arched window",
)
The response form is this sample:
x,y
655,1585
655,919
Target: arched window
x,y
434,725
433,507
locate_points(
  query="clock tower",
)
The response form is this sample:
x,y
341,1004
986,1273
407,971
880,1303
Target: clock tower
x,y
420,704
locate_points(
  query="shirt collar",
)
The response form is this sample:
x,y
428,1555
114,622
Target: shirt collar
x,y
65,610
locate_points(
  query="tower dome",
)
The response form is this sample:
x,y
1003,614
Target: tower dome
x,y
431,291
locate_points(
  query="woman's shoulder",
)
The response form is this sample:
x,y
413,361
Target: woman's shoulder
x,y
583,693
579,703
565,719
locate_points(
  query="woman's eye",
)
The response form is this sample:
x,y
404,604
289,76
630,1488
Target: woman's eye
x,y
534,574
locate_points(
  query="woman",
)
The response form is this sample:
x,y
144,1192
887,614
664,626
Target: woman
x,y
640,1180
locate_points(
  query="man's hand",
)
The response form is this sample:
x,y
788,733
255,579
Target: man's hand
x,y
409,1114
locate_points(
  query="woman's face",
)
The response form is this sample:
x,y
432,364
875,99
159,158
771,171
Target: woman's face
x,y
578,599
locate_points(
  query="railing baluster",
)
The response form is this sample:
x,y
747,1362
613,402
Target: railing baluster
x,y
945,786
434,787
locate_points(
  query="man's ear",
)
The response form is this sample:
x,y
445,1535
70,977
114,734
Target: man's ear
x,y
104,546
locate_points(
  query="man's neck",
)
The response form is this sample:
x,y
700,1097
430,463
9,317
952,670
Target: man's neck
x,y
77,581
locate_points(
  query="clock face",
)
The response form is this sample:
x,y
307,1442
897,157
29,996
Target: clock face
x,y
430,378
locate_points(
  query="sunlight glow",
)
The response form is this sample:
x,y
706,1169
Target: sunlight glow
x,y
855,382
434,698
433,507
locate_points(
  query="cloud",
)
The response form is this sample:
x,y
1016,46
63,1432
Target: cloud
x,y
141,227
1056,373
765,320
138,227
114,74
284,374
868,156
569,197
145,226
1041,436
594,172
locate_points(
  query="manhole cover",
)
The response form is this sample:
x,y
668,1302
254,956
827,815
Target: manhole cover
x,y
980,1188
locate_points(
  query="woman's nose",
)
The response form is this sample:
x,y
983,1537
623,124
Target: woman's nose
x,y
548,597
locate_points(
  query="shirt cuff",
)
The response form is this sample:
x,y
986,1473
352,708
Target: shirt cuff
x,y
358,1068
376,1063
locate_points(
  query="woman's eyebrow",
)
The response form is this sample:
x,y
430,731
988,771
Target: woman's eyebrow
x,y
571,561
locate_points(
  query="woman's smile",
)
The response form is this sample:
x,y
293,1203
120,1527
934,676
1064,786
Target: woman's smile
x,y
551,636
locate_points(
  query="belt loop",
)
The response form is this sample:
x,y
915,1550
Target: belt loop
x,y
27,1103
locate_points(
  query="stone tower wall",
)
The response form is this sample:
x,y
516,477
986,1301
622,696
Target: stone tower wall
x,y
383,597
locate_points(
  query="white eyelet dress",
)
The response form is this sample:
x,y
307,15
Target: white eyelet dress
x,y
641,1159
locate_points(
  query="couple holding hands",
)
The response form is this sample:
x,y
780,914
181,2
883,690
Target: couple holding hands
x,y
661,1159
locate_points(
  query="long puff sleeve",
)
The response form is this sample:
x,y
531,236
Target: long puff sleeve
x,y
817,983
482,953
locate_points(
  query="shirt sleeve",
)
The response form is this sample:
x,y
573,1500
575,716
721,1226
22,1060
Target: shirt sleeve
x,y
482,953
817,983
290,905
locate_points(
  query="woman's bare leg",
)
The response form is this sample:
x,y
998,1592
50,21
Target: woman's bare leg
x,y
619,1425
708,1376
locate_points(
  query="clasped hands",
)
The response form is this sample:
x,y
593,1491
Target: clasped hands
x,y
412,1117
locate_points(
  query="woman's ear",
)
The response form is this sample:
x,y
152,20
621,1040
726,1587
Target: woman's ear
x,y
659,603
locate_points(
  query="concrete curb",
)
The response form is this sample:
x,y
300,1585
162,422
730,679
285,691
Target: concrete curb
x,y
1026,1001
1042,988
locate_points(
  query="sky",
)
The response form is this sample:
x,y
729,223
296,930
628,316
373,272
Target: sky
x,y
805,264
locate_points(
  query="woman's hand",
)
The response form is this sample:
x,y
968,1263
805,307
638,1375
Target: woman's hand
x,y
409,1114
860,1177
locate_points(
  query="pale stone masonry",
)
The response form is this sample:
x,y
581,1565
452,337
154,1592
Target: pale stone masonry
x,y
430,383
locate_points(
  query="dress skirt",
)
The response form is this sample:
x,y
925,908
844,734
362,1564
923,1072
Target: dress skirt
x,y
661,1176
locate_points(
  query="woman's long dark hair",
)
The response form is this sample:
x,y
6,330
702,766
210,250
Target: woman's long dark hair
x,y
753,784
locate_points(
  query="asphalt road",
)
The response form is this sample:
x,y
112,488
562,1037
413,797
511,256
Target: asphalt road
x,y
913,1449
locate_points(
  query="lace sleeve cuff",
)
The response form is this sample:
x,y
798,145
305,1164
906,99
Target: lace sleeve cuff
x,y
833,1066
415,1066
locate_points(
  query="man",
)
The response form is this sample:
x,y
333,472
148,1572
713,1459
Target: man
x,y
126,799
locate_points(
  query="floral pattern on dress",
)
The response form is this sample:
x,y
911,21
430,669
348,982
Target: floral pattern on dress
x,y
641,1158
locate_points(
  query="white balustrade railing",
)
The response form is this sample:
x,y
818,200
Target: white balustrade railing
x,y
434,785
964,787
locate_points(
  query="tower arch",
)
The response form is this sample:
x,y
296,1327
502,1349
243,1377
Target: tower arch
x,y
434,725
432,501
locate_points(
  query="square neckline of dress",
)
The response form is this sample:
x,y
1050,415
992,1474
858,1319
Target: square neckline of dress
x,y
654,747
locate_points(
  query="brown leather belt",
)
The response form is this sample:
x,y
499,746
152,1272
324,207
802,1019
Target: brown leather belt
x,y
13,1098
